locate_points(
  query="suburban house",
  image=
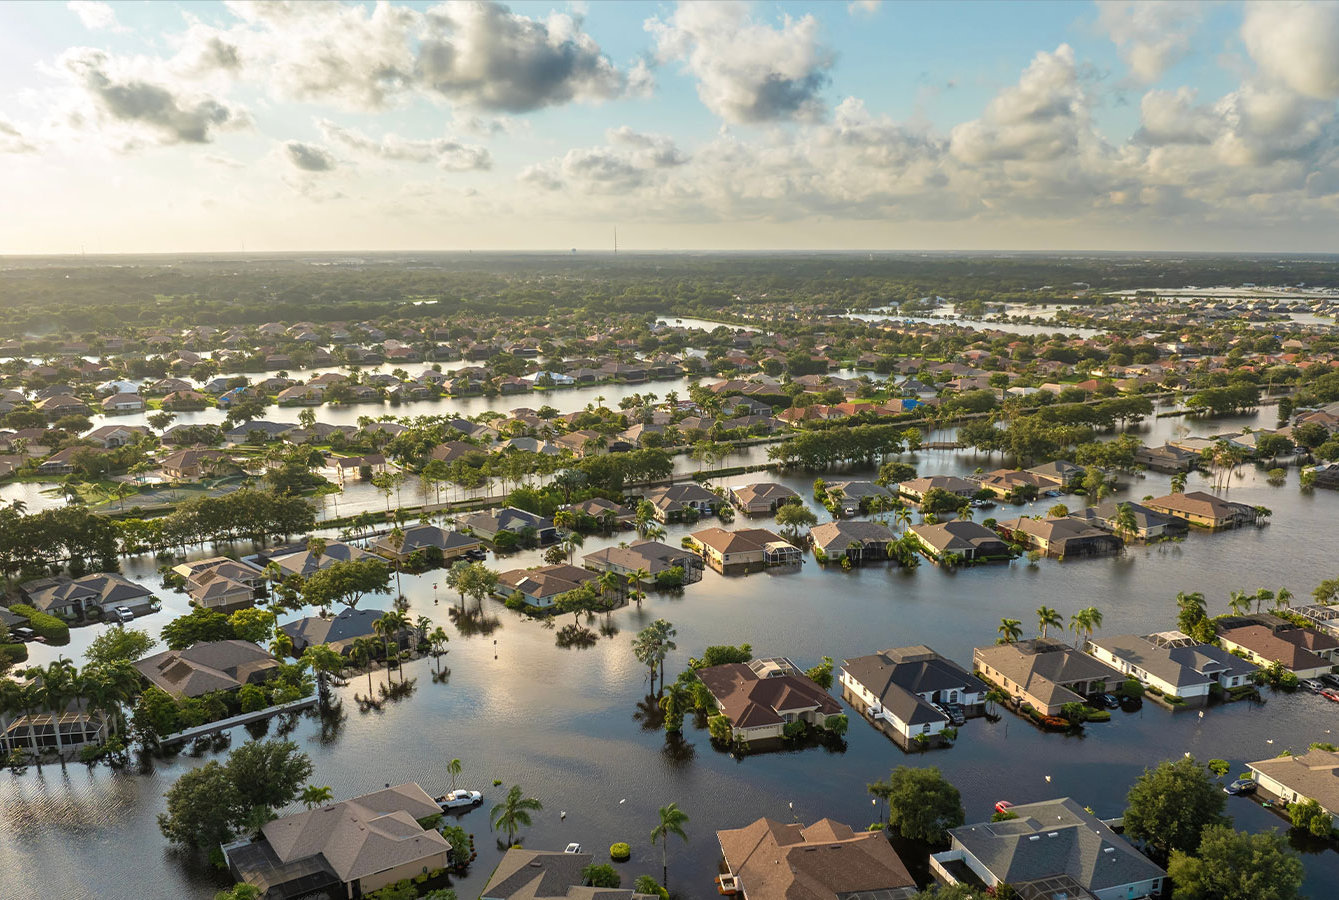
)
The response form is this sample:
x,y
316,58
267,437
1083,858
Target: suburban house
x,y
208,666
542,586
652,556
1303,652
36,731
1148,525
488,525
1045,673
771,860
1204,510
672,503
1313,775
1174,663
452,544
761,498
603,510
1058,474
347,849
761,697
305,562
1166,458
109,437
895,688
1053,849
1002,482
76,597
917,488
855,496
549,875
122,403
1065,537
235,569
61,405
853,540
214,590
338,631
185,465
964,538
742,551
346,468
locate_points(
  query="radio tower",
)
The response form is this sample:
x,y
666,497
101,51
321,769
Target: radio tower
x,y
616,240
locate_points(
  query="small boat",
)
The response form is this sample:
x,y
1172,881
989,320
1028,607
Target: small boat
x,y
1002,806
459,799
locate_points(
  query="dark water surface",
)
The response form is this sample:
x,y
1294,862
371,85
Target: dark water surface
x,y
563,724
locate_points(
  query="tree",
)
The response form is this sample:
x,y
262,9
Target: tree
x,y
922,805
119,643
239,892
1010,630
254,625
269,774
1311,816
198,625
672,820
821,674
791,517
1170,806
645,884
1086,621
203,806
651,645
346,582
325,661
1048,618
601,875
514,812
453,769
1235,865
316,796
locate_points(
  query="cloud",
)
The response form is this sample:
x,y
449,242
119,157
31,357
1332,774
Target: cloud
x,y
747,71
1151,35
308,157
94,15
12,140
631,160
1173,117
651,150
166,110
483,55
1296,43
863,7
447,154
540,176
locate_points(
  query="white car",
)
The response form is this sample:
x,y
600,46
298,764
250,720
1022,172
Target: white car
x,y
573,847
123,614
458,799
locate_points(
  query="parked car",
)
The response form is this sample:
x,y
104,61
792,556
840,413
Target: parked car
x,y
22,633
1331,679
1241,786
477,555
123,614
954,711
460,798
573,847
1313,685
1330,694
1109,701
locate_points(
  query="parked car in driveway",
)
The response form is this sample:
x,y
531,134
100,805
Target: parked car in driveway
x,y
1313,685
1241,786
123,614
1330,679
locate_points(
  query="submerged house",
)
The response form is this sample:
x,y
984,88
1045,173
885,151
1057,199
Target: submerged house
x,y
897,689
760,698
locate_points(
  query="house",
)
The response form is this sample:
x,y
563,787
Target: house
x,y
96,594
1003,482
109,437
185,400
346,467
541,587
962,538
237,570
895,689
488,525
1303,652
61,405
187,465
346,849
1058,474
208,666
761,498
603,510
1053,849
451,544
39,731
857,496
742,551
1062,537
62,461
856,541
303,561
548,875
672,503
1148,525
1174,663
653,557
1045,673
450,451
760,698
214,590
1204,510
770,860
917,488
338,631
1313,775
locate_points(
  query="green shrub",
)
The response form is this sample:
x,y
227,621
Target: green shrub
x,y
619,852
12,655
43,625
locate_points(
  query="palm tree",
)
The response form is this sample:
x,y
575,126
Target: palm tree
x,y
361,652
1086,621
60,685
571,541
453,769
1263,596
651,645
514,812
635,580
1240,602
1192,600
1010,630
1179,483
324,661
282,645
396,540
1048,618
653,532
316,796
677,700
437,641
610,583
386,625
1127,526
1283,599
671,822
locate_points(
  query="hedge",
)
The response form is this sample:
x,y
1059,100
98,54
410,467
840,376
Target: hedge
x,y
13,654
42,624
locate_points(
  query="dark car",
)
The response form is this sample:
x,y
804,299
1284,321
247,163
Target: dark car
x,y
1330,679
1241,786
22,633
1108,700
954,711
476,555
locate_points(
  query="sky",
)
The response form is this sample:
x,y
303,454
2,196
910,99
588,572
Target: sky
x,y
275,126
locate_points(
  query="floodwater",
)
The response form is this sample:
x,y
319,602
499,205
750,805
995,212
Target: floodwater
x,y
563,723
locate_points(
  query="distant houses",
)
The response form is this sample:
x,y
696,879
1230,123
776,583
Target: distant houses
x,y
761,498
1303,652
207,667
653,557
683,500
541,587
428,540
858,541
488,525
1204,510
89,595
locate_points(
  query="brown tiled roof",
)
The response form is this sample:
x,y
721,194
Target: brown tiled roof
x,y
751,701
824,861
1293,647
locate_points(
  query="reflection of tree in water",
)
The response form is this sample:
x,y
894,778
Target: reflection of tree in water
x,y
472,622
609,629
571,635
332,722
213,743
649,714
257,730
286,723
677,751
386,693
442,675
